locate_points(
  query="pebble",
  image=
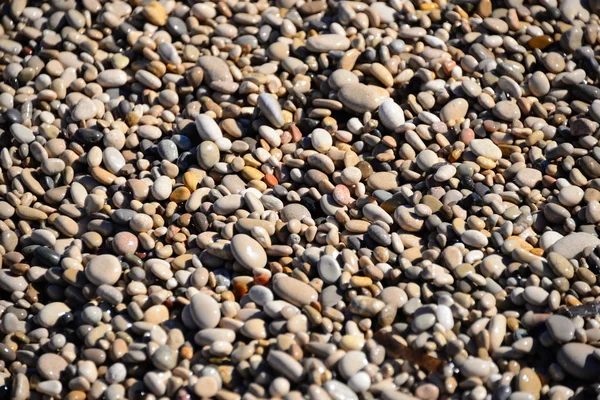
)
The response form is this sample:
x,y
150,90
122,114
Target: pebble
x,y
103,270
361,98
112,78
560,328
391,114
329,269
293,290
326,43
455,111
204,311
486,148
51,313
270,107
51,366
248,252
577,359
574,243
278,199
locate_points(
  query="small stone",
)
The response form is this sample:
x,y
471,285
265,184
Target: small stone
x,y
361,98
486,148
270,107
326,43
528,177
578,360
329,269
103,270
455,110
390,114
205,311
155,13
248,252
560,265
51,365
573,244
560,328
111,78
293,290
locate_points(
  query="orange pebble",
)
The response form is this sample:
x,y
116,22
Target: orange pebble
x,y
271,180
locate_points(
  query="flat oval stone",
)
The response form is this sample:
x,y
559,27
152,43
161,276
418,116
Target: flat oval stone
x,y
205,311
329,269
293,290
50,365
578,360
339,391
215,69
51,313
340,78
21,133
361,98
366,306
12,47
208,129
104,269
84,109
570,196
285,364
162,188
208,154
327,42
227,205
111,78
507,110
574,243
560,265
351,363
11,283
271,109
454,110
391,114
294,211
486,148
560,328
248,252
528,177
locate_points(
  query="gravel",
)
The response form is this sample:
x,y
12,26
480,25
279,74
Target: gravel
x,y
299,199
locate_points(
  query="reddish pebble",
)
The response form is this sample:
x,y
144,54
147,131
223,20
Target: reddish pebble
x,y
466,135
296,134
125,243
286,137
261,280
271,180
341,195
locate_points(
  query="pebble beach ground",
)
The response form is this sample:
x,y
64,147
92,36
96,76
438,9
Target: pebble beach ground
x,y
291,199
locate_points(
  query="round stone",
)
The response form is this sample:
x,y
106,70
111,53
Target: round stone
x,y
125,243
204,311
560,328
248,252
103,270
51,366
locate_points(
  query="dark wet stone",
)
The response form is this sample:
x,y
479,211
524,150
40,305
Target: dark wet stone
x,y
6,354
379,235
590,167
122,216
182,142
13,116
47,256
585,92
88,136
176,26
503,392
